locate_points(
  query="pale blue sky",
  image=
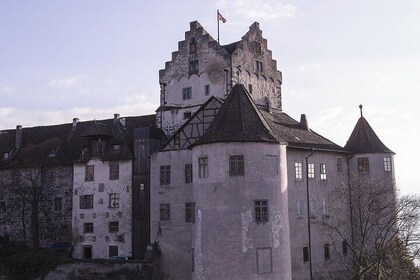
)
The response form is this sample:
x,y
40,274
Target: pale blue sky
x,y
90,59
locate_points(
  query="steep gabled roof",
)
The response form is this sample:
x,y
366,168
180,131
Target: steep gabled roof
x,y
363,140
239,120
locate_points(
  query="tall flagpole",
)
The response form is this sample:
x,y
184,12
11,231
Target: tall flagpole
x,y
218,38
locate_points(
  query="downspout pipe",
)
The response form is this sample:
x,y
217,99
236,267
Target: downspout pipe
x,y
308,213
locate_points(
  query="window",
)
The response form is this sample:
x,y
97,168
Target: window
x,y
165,212
258,49
86,201
272,165
193,67
207,89
311,170
298,170
250,88
114,200
312,209
177,140
113,251
3,207
339,165
236,165
299,204
190,212
188,173
89,173
363,164
345,247
187,115
326,251
165,174
325,208
261,210
186,93
264,261
88,228
305,254
87,252
193,46
58,204
323,171
113,227
114,171
258,66
387,164
203,171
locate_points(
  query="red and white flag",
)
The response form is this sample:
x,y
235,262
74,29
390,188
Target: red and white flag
x,y
220,17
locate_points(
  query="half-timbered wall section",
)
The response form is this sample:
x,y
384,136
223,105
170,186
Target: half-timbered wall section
x,y
195,127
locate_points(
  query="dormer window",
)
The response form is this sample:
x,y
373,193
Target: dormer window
x,y
84,151
6,156
52,153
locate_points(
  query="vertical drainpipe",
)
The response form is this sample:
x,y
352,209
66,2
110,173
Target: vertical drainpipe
x,y
308,212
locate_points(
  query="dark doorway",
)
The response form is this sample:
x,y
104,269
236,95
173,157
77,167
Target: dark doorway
x,y
87,252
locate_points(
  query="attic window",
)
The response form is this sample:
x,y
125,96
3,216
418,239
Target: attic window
x,y
193,67
193,46
258,66
6,156
116,147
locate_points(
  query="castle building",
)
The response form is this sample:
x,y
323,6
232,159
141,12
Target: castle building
x,y
241,190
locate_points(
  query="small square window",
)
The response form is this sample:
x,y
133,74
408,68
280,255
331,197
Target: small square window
x,y
207,90
387,164
203,171
113,227
298,170
236,165
113,251
323,171
89,173
165,174
86,201
165,212
88,228
190,212
261,210
114,200
188,173
311,170
187,115
114,171
363,164
186,93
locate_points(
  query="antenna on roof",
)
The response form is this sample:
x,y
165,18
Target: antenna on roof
x,y
361,110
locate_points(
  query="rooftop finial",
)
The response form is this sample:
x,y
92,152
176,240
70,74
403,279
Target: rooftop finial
x,y
361,110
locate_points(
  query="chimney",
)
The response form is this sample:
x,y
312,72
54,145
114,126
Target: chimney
x,y
75,122
18,139
303,122
116,118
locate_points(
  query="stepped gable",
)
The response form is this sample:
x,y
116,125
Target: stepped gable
x,y
363,140
292,132
66,142
239,120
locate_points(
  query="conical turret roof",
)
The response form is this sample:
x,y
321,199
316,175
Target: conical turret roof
x,y
363,140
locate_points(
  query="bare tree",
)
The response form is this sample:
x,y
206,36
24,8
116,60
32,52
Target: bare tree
x,y
378,232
